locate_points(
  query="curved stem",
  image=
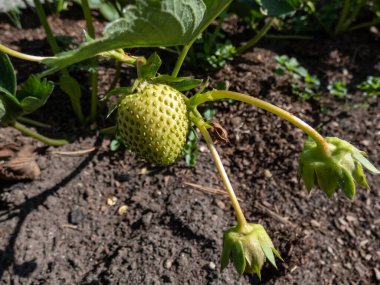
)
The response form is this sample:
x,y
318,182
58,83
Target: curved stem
x,y
256,38
221,94
33,122
23,56
242,222
37,136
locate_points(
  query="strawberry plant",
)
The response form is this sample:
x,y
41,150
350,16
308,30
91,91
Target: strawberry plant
x,y
15,104
154,115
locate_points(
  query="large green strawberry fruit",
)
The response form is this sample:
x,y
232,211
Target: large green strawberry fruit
x,y
153,122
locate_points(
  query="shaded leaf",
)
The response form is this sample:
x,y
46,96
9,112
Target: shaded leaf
x,y
226,253
10,107
34,93
179,83
238,257
70,86
308,176
276,8
327,179
348,184
7,74
150,68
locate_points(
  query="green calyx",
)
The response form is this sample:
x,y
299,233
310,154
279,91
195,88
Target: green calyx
x,y
248,250
339,168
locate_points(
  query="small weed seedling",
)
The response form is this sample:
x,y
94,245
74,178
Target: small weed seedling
x,y
154,116
306,85
370,87
338,89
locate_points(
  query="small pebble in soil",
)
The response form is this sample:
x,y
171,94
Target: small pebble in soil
x,y
267,173
76,217
212,265
168,263
122,210
220,204
147,219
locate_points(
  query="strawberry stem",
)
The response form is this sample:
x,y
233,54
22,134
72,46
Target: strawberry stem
x,y
242,222
222,94
94,62
20,55
37,136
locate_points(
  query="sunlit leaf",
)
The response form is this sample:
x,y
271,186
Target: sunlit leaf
x,y
149,23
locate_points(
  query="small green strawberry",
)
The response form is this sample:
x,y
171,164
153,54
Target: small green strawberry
x,y
153,122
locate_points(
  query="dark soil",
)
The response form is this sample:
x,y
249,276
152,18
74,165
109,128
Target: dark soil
x,y
59,229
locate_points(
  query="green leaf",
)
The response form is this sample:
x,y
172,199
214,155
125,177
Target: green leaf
x,y
327,179
226,253
269,254
70,86
149,23
179,83
308,176
11,107
34,93
276,8
118,91
359,175
347,184
150,68
366,163
238,257
277,254
7,74
2,110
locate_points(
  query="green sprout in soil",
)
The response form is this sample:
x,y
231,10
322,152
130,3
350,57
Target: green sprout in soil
x,y
370,87
154,116
306,86
338,89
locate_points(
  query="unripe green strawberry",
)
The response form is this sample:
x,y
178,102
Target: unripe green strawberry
x,y
153,122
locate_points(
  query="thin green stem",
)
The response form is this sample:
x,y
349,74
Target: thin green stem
x,y
116,77
108,131
33,122
49,34
210,42
343,17
256,38
187,47
242,222
37,136
221,94
354,14
87,16
365,25
181,58
94,62
22,56
75,102
288,37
